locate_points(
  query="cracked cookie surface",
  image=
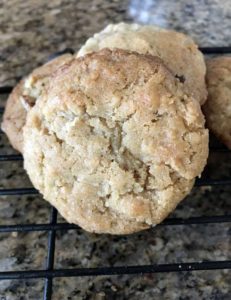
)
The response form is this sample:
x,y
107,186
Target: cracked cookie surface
x,y
217,108
178,51
115,143
24,96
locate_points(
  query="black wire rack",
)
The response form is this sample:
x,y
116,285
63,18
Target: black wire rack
x,y
50,272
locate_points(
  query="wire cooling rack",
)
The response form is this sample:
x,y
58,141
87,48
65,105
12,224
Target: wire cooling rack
x,y
49,273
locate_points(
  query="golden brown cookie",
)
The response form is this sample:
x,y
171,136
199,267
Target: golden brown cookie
x,y
115,143
178,51
24,96
217,109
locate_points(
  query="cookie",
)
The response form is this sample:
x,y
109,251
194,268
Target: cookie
x,y
178,51
217,109
115,143
24,96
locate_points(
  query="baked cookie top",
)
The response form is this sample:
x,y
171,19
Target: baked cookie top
x,y
24,96
217,109
115,143
178,51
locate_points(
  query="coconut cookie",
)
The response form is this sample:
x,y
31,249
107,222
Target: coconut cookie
x,y
178,51
24,96
217,109
115,143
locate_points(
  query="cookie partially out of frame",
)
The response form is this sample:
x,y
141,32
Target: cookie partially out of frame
x,y
115,143
178,51
24,96
217,109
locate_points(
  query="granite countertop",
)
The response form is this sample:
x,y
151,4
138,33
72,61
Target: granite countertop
x,y
32,30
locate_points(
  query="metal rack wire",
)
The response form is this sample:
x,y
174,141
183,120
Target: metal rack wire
x,y
49,273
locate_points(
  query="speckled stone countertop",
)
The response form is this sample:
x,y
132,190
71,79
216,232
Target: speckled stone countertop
x,y
29,32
